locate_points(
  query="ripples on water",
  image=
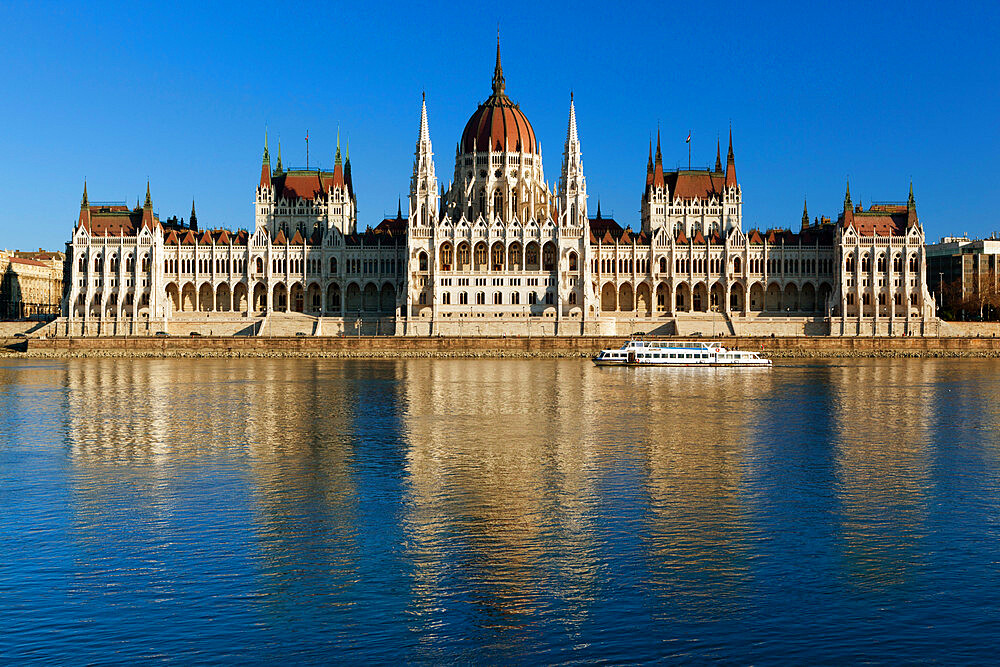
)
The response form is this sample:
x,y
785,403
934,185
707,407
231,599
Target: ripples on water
x,y
498,511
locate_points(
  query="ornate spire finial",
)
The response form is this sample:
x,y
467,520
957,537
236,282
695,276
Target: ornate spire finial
x,y
847,196
659,155
730,157
267,157
571,135
805,213
498,82
910,202
598,209
149,200
718,155
399,208
425,133
337,159
84,203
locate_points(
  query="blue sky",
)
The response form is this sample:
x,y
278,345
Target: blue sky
x,y
180,94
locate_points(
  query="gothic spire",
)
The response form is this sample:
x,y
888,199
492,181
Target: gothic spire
x,y
336,159
278,168
718,156
85,203
910,202
149,200
805,213
267,157
399,208
571,136
498,83
598,209
847,197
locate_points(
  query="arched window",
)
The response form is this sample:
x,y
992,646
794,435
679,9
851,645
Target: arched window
x,y
881,263
866,263
498,203
497,257
497,298
897,263
515,298
83,263
663,265
446,298
549,257
480,298
737,265
463,255
572,261
572,298
333,265
446,256
849,264
481,255
463,298
422,261
260,265
913,263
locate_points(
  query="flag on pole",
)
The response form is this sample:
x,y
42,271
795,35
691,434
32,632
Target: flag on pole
x,y
688,140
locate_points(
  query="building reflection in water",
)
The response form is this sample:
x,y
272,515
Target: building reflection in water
x,y
500,469
882,413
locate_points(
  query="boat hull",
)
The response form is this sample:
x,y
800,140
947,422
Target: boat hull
x,y
711,364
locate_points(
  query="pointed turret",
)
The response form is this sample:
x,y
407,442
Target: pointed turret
x,y
147,210
649,165
265,165
84,203
658,180
278,169
598,209
805,214
911,209
194,217
731,163
338,165
399,208
847,198
718,156
84,220
348,180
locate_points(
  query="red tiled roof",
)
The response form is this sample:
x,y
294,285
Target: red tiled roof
x,y
297,238
280,239
307,184
681,238
691,184
698,238
29,262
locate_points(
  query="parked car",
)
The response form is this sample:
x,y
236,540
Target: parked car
x,y
195,333
20,334
162,333
301,333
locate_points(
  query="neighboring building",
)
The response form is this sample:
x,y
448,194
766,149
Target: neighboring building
x,y
964,273
31,284
499,251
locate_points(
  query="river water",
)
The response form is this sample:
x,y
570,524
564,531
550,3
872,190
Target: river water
x,y
507,511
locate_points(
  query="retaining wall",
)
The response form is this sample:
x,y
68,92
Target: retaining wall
x,y
562,346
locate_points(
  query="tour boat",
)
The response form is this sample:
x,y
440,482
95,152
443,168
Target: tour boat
x,y
677,353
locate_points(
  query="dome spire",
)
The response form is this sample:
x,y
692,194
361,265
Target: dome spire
x,y
498,83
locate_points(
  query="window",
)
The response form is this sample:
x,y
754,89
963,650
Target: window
x,y
333,265
549,257
515,298
422,261
572,298
497,298
480,298
446,298
463,298
572,261
532,298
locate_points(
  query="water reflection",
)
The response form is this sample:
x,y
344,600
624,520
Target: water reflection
x,y
467,509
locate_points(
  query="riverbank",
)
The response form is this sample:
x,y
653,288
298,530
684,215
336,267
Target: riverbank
x,y
494,347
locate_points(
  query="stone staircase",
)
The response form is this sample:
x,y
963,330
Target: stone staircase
x,y
288,324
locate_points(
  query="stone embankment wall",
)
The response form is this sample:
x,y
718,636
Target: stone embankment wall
x,y
568,346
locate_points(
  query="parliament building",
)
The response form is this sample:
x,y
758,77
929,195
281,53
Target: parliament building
x,y
498,252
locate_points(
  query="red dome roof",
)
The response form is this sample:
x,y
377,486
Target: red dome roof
x,y
498,124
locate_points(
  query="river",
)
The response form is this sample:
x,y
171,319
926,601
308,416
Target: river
x,y
512,511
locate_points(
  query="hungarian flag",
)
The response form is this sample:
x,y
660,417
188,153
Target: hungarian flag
x,y
688,140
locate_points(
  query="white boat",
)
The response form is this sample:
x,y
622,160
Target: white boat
x,y
677,353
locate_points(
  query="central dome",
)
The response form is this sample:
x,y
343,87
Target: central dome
x,y
498,124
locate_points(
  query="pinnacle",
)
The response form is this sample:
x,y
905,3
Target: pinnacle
x,y
571,135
